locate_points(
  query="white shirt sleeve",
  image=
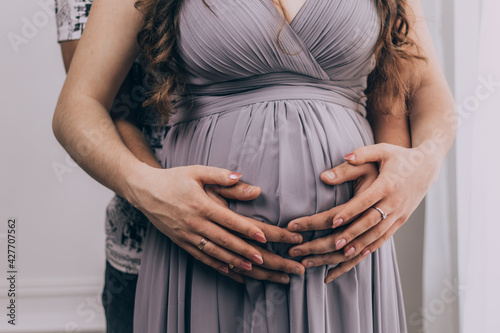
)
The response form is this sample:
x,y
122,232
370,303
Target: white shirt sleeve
x,y
71,16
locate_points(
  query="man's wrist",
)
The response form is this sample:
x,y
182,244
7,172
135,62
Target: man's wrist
x,y
431,157
133,172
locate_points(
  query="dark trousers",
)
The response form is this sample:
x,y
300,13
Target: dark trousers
x,y
118,298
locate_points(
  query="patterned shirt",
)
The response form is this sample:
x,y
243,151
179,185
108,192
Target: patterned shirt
x,y
125,225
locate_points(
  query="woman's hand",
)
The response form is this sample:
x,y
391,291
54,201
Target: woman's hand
x,y
274,266
405,176
175,201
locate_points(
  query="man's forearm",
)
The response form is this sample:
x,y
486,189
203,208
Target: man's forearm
x,y
136,143
129,133
92,140
433,120
391,129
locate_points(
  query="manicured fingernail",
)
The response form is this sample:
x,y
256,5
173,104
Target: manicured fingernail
x,y
234,175
365,253
309,264
246,265
297,253
337,222
349,157
330,175
223,269
349,251
260,237
340,243
257,259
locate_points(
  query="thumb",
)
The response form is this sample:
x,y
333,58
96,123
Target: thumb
x,y
214,175
370,153
240,191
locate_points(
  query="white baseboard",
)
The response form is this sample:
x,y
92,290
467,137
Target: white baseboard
x,y
64,305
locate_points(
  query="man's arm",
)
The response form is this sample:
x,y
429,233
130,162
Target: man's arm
x,y
391,129
130,134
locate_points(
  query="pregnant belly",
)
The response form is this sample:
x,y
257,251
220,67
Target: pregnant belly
x,y
281,146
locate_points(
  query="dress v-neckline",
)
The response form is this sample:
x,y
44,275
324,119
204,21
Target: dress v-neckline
x,y
301,10
297,15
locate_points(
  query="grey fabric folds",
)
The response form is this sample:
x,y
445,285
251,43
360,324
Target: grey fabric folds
x,y
280,120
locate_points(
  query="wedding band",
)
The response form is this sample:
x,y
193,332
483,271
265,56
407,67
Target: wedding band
x,y
231,266
381,212
202,244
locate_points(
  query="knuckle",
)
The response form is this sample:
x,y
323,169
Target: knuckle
x,y
275,277
228,221
246,251
211,251
204,208
191,224
348,235
283,236
390,185
365,203
197,255
374,220
385,237
223,240
379,233
283,267
307,222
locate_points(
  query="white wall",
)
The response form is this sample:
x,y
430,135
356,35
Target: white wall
x,y
60,239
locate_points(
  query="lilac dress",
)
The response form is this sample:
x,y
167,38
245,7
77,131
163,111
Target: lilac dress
x,y
279,118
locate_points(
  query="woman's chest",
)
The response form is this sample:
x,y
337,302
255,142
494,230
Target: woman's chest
x,y
238,38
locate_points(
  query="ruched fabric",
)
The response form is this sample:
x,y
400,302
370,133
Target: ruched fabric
x,y
280,119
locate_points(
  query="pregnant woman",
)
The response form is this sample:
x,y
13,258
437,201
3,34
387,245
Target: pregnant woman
x,y
277,98
279,114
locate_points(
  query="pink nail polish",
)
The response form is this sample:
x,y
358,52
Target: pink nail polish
x,y
350,251
260,237
349,157
365,253
234,175
257,259
340,243
223,269
337,222
246,265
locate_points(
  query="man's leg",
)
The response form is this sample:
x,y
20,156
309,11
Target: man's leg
x,y
118,298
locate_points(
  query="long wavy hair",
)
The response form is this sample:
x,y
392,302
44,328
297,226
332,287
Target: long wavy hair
x,y
390,84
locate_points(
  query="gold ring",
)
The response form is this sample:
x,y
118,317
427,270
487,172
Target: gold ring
x,y
202,244
231,266
381,212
